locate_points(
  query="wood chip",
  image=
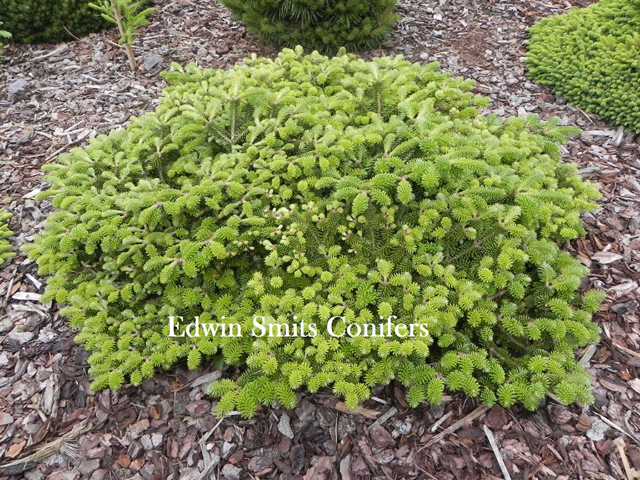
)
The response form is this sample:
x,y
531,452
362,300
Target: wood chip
x,y
635,384
34,297
5,419
284,426
386,416
16,449
606,258
365,412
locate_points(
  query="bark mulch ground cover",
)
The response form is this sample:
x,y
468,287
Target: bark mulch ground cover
x,y
56,97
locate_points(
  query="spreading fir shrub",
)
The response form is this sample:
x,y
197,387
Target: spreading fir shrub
x,y
45,20
592,57
323,25
5,232
305,189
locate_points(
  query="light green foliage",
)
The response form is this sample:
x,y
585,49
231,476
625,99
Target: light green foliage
x,y
132,15
35,21
305,188
4,35
592,57
5,246
323,25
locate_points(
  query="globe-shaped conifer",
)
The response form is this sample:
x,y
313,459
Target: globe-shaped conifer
x,y
323,25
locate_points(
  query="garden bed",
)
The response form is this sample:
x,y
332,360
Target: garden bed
x,y
55,97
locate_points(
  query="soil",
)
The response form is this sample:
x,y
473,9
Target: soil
x,y
57,97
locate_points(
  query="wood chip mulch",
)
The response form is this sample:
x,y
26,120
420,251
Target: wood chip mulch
x,y
56,97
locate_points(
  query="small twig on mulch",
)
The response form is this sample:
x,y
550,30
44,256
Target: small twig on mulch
x,y
631,472
209,464
62,444
618,428
455,426
626,350
439,422
385,416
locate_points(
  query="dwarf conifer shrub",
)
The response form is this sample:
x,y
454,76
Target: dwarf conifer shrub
x,y
331,223
323,25
5,232
592,57
45,20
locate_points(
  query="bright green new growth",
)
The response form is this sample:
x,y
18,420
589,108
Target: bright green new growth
x,y
4,35
132,13
305,188
49,21
5,232
592,57
323,25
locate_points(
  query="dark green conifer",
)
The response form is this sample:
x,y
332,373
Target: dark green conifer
x,y
49,21
323,25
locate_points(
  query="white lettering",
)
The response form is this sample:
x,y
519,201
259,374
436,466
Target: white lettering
x,y
401,325
330,326
358,329
263,330
196,325
389,334
277,328
172,325
312,330
210,329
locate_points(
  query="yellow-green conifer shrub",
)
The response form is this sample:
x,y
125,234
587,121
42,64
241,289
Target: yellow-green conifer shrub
x,y
592,57
5,232
352,196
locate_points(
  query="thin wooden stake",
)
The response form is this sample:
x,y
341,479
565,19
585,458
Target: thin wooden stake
x,y
496,451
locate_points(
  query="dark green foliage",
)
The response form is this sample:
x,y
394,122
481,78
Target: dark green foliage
x,y
592,57
306,188
323,25
5,246
32,21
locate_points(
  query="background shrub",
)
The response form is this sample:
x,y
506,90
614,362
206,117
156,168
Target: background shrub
x,y
323,25
305,188
43,20
592,57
